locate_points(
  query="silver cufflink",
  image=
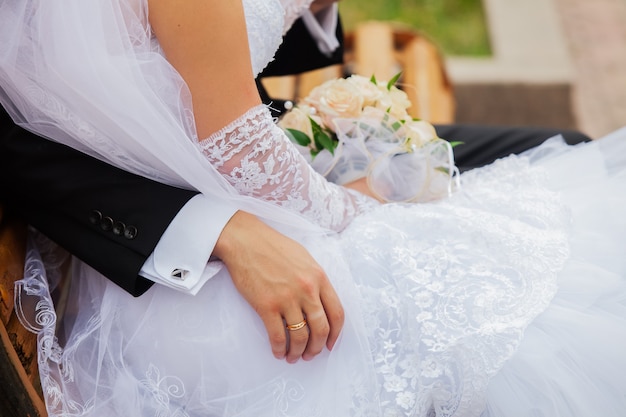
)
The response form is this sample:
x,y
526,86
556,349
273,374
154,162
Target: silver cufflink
x,y
180,274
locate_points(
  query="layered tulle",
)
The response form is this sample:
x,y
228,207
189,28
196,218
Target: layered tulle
x,y
571,361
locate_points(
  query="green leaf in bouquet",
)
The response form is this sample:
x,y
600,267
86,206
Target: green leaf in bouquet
x,y
322,139
393,81
443,169
325,141
298,137
385,124
373,80
389,123
456,143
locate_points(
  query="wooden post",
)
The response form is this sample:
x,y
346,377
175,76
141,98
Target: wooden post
x,y
425,81
374,51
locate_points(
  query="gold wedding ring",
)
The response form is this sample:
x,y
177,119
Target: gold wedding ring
x,y
296,326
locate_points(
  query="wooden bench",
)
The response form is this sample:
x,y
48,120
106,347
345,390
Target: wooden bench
x,y
383,50
20,389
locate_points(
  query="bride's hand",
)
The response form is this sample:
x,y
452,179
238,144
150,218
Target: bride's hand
x,y
284,284
361,186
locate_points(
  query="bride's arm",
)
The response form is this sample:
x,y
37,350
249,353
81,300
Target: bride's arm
x,y
206,41
241,139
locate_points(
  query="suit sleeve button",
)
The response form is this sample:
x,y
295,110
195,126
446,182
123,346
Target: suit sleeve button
x,y
130,232
118,228
94,217
106,223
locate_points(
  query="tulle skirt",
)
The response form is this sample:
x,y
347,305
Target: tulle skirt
x,y
507,299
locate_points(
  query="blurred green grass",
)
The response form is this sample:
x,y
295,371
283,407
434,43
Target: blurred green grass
x,y
457,26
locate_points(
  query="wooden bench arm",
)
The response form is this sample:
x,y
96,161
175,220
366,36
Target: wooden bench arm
x,y
20,387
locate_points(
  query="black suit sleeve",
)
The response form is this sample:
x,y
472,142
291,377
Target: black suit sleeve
x,y
107,217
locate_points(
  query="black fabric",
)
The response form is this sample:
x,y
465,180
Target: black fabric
x,y
299,53
484,144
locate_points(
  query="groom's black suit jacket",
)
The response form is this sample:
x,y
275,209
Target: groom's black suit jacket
x,y
107,217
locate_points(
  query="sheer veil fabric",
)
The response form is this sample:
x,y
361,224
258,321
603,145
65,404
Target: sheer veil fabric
x,y
62,58
506,299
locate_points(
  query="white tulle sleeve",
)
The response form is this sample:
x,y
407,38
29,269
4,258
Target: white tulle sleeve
x,y
258,160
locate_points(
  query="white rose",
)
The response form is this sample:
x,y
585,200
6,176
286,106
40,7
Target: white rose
x,y
419,132
336,99
370,91
395,101
297,119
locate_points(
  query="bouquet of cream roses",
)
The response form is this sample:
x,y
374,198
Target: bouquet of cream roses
x,y
350,128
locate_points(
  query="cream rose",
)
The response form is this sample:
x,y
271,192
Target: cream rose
x,y
297,119
336,99
395,101
418,132
370,91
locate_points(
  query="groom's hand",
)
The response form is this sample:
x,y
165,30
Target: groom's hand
x,y
284,284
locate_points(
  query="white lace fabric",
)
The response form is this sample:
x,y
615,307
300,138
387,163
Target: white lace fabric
x,y
480,277
264,23
293,10
267,22
258,159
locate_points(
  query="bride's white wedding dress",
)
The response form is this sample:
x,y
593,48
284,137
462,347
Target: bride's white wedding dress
x,y
506,299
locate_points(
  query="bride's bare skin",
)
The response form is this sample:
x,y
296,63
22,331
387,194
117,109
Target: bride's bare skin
x,y
206,41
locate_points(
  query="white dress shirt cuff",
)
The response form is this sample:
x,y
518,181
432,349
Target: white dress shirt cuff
x,y
323,28
181,258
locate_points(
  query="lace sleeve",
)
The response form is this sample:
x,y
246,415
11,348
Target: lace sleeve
x,y
293,10
258,159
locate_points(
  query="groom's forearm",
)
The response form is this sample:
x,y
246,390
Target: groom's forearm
x,y
107,217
